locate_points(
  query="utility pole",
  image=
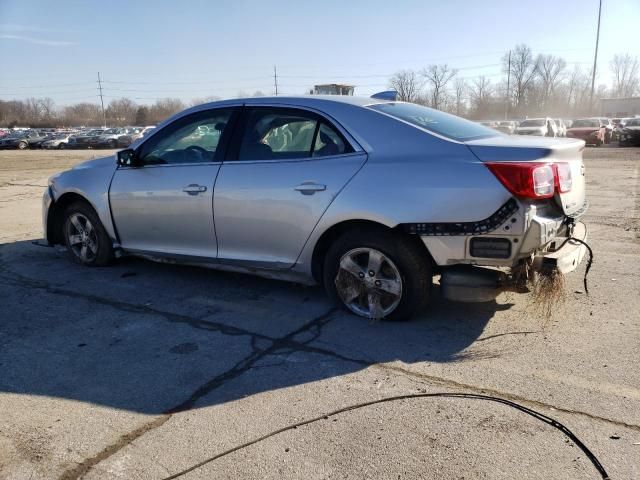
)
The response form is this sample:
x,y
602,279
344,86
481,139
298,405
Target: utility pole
x,y
595,58
275,79
508,96
104,117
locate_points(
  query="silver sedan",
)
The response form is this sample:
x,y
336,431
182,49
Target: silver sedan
x,y
366,197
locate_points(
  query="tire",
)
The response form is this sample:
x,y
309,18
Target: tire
x,y
61,146
85,237
22,146
113,144
402,260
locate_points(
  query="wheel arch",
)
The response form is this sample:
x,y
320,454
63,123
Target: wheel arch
x,y
55,218
332,233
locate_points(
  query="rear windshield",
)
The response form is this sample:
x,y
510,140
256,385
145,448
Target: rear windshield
x,y
435,121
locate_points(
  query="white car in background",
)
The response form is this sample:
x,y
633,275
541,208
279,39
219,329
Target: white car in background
x,y
542,127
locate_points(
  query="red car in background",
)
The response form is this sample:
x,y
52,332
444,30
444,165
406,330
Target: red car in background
x,y
592,130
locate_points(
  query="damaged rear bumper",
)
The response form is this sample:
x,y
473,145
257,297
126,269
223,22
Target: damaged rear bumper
x,y
468,283
568,255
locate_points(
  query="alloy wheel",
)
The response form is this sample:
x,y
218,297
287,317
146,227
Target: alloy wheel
x,y
82,237
369,283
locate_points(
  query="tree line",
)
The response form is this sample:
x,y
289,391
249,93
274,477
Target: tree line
x,y
531,85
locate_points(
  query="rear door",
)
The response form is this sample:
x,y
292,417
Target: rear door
x,y
165,205
288,166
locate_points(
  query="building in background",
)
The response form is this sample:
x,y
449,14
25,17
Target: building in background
x,y
620,107
333,89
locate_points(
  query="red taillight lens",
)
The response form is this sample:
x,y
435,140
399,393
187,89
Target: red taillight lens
x,y
563,177
526,179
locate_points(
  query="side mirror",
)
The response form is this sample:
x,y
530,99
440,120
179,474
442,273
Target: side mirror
x,y
127,158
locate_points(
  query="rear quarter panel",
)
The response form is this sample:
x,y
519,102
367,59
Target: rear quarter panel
x,y
411,176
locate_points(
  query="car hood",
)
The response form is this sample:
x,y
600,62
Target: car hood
x,y
97,163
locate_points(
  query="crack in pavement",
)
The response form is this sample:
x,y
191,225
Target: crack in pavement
x,y
276,346
238,369
432,379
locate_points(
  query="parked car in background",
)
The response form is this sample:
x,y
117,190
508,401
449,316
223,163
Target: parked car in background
x,y
141,132
59,141
82,139
369,198
543,127
506,126
22,139
562,128
629,135
591,130
110,138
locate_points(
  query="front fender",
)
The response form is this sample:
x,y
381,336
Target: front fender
x,y
90,181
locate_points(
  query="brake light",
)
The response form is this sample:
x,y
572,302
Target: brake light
x,y
564,180
526,179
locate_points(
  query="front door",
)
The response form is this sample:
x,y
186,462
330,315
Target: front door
x,y
290,165
165,203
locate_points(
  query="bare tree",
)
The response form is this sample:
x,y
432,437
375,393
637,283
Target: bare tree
x,y
122,112
460,90
523,71
164,108
625,69
438,76
407,84
549,69
480,93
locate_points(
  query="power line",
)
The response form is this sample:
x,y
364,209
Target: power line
x,y
104,116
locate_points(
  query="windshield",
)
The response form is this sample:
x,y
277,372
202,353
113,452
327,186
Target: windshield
x,y
585,124
535,122
435,121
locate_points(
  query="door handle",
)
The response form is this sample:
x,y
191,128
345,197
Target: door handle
x,y
309,188
194,189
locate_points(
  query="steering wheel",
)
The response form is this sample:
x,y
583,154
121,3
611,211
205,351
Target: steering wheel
x,y
198,148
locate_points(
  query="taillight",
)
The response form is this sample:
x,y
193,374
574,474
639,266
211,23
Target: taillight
x,y
563,177
526,179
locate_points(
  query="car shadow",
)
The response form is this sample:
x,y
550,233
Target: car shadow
x,y
152,338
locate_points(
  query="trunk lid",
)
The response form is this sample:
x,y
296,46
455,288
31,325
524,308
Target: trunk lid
x,y
545,150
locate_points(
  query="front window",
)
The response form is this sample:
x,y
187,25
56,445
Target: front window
x,y
435,121
193,139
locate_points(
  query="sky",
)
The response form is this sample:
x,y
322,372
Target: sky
x,y
190,49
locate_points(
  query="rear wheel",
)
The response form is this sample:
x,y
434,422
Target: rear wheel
x,y
61,146
22,145
377,274
85,236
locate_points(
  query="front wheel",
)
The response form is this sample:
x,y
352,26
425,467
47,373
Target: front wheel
x,y
61,146
22,145
378,274
85,236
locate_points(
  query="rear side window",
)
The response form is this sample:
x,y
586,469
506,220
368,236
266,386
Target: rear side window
x,y
436,121
284,133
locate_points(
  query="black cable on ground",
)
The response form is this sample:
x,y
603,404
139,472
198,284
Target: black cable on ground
x,y
589,262
543,418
